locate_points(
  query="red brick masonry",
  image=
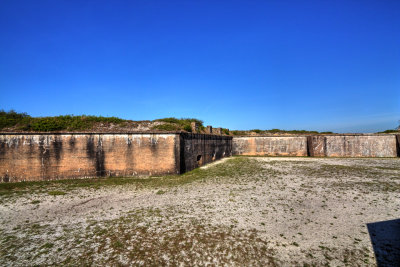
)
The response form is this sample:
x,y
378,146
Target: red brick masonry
x,y
32,157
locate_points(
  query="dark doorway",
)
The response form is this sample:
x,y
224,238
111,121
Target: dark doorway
x,y
199,160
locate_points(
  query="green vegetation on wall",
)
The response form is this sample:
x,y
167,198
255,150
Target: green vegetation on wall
x,y
22,121
396,130
291,131
277,131
390,131
225,131
174,124
12,118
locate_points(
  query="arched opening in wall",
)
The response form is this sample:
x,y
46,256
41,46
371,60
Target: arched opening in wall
x,y
6,179
199,160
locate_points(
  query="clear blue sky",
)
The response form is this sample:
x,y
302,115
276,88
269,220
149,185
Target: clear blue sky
x,y
316,65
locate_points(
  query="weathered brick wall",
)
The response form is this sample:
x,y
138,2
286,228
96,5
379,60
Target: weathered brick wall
x,y
353,146
199,149
318,146
57,156
32,157
270,145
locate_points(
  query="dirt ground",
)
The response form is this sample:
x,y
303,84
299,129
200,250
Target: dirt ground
x,y
241,211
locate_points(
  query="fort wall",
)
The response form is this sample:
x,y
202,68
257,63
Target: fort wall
x,y
57,156
319,145
270,145
354,146
33,157
200,149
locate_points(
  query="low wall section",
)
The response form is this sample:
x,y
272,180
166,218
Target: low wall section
x,y
353,146
319,145
200,149
32,157
270,145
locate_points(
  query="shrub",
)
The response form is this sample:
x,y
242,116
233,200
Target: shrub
x,y
181,124
45,124
238,132
187,128
389,131
68,122
274,131
12,118
166,127
169,120
225,131
293,131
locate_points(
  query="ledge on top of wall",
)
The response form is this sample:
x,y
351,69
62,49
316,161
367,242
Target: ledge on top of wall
x,y
302,135
72,133
111,132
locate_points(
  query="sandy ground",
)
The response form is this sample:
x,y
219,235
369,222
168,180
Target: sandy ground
x,y
257,211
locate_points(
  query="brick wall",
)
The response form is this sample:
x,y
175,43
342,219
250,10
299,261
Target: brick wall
x,y
270,145
318,145
33,157
59,156
200,149
353,146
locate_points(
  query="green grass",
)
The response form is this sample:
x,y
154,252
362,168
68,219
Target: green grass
x,y
334,170
56,193
174,124
181,121
22,121
166,127
291,131
234,167
369,178
391,131
277,131
236,132
225,131
11,118
138,239
48,245
137,235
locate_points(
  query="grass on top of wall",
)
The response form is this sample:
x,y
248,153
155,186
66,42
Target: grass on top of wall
x,y
173,124
277,131
12,120
391,131
22,121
